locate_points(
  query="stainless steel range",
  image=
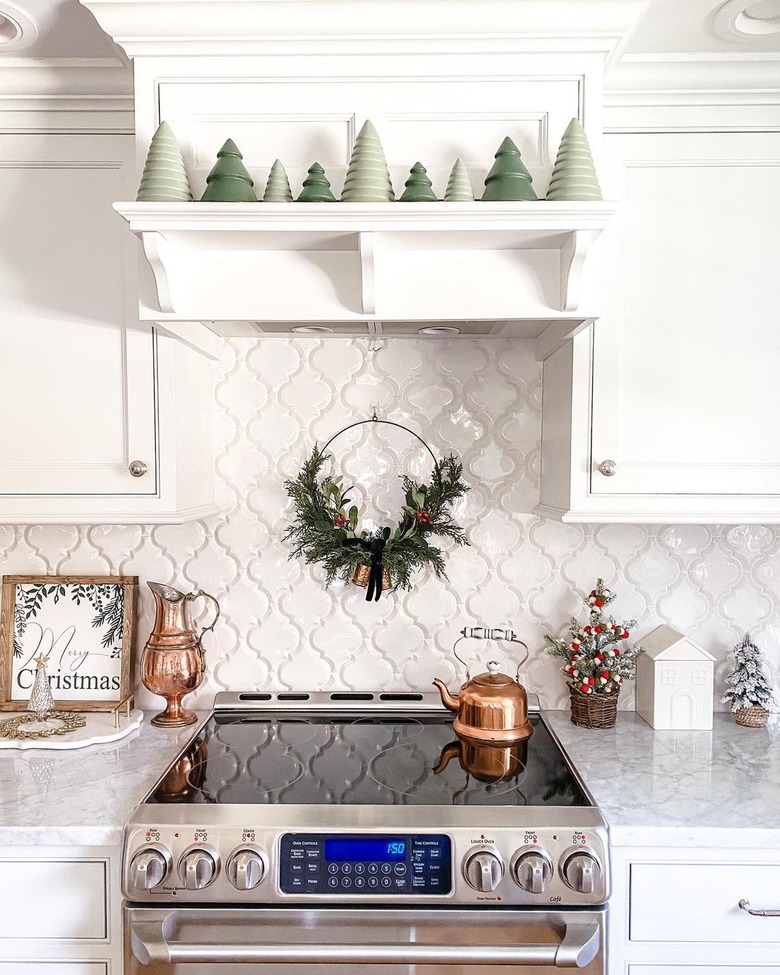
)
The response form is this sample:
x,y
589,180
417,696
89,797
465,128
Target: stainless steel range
x,y
357,829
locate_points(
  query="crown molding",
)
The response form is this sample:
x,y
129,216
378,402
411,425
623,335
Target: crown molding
x,y
65,85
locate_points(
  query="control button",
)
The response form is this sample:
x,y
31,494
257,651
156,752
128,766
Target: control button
x,y
387,868
360,881
483,870
245,869
333,881
346,868
346,881
532,870
333,868
373,868
386,882
582,871
373,881
400,869
197,869
148,869
360,868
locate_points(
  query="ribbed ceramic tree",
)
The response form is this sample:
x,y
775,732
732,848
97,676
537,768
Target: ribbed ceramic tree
x,y
368,178
316,187
277,189
419,188
229,181
164,178
459,188
574,175
508,179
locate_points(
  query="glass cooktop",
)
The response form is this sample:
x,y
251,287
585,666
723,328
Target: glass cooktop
x,y
246,758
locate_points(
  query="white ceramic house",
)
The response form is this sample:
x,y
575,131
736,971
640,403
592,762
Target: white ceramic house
x,y
674,680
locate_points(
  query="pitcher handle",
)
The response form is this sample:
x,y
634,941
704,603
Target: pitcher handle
x,y
205,629
490,633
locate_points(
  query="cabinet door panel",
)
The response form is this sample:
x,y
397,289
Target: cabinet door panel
x,y
686,357
62,900
23,967
77,392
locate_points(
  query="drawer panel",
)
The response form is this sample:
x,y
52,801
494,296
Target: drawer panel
x,y
53,900
53,968
703,970
696,902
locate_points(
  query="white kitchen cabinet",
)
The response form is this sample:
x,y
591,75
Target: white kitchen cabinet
x,y
84,394
676,383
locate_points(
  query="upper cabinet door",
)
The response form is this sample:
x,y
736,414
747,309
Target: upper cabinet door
x,y
77,397
686,357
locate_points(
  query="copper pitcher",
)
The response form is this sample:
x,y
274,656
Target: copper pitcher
x,y
490,707
173,661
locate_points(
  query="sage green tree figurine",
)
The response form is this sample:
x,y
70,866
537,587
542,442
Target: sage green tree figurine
x,y
508,179
459,186
277,189
368,178
164,178
419,188
316,187
574,175
229,180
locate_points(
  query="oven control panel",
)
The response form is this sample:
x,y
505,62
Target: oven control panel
x,y
368,864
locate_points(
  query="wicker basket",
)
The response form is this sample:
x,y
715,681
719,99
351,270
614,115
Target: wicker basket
x,y
593,710
753,717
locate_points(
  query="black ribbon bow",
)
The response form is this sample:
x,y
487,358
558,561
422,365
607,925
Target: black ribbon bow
x,y
375,547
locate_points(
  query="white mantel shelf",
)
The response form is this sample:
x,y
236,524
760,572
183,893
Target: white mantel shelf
x,y
354,263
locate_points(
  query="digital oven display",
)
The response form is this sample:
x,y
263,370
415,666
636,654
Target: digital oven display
x,y
383,849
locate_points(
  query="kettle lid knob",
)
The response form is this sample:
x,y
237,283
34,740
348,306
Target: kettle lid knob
x,y
493,666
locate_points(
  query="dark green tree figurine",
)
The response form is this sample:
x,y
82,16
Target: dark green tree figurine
x,y
229,181
316,187
508,179
418,187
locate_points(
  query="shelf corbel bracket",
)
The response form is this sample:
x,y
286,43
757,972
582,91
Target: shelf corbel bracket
x,y
366,246
154,245
573,254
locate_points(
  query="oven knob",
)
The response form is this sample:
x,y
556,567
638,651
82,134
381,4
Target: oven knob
x,y
197,869
533,871
582,872
148,869
245,869
483,871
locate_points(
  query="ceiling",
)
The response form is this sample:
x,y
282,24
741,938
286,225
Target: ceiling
x,y
697,28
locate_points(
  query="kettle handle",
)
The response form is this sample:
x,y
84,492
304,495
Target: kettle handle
x,y
206,595
488,633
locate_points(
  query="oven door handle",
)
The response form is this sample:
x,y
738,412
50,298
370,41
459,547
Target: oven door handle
x,y
577,949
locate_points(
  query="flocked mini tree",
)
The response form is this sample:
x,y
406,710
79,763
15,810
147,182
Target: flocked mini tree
x,y
229,181
574,175
277,189
368,178
316,187
508,178
749,688
459,188
419,188
164,178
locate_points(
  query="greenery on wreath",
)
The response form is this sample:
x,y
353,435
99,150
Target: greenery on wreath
x,y
325,529
597,661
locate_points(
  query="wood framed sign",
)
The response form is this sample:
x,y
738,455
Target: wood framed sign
x,y
83,624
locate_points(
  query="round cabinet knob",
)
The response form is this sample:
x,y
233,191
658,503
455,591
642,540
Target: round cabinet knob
x,y
197,869
245,869
608,468
533,871
148,869
582,872
483,871
137,468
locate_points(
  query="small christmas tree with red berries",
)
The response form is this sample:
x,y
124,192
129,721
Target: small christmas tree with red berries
x,y
597,659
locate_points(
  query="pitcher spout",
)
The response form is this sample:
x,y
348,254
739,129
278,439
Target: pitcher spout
x,y
166,593
449,702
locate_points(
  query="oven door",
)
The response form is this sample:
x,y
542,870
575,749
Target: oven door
x,y
366,941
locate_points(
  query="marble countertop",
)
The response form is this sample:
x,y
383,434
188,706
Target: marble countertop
x,y
680,788
656,788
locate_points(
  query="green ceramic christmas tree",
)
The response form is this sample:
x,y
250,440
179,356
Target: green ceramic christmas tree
x,y
574,175
164,178
459,186
368,178
229,181
419,188
277,189
316,187
508,179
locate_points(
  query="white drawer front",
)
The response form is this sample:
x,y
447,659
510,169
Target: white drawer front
x,y
701,970
53,968
62,900
692,903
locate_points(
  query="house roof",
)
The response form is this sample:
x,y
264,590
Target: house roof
x,y
666,643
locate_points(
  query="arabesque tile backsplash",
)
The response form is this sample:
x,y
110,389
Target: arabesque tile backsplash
x,y
481,399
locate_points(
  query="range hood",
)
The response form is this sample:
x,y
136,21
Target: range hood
x,y
440,80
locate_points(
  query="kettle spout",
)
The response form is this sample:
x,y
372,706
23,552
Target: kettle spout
x,y
449,702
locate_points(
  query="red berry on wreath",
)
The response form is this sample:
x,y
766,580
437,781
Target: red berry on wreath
x,y
626,634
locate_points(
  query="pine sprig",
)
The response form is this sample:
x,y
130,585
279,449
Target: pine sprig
x,y
324,522
597,660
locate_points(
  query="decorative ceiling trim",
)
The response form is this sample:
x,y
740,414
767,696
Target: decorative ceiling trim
x,y
65,85
748,20
17,28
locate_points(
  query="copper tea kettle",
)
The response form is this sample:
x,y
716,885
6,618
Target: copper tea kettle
x,y
491,707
